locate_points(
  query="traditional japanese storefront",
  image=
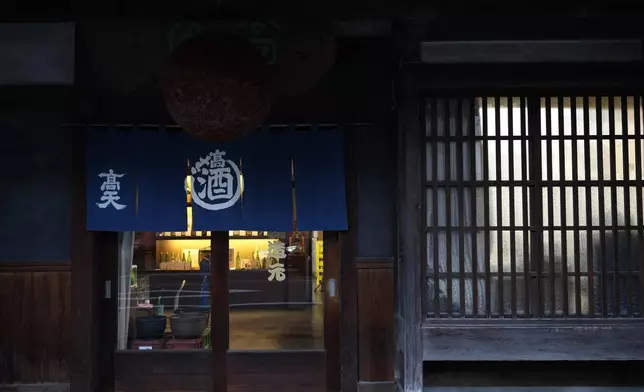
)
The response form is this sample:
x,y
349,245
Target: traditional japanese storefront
x,y
513,179
210,285
295,208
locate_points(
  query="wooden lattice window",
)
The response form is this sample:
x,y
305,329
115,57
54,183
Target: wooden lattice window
x,y
534,207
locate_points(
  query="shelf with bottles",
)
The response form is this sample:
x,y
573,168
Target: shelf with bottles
x,y
179,261
204,235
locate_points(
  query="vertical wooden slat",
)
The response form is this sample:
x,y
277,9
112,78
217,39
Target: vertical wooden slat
x,y
220,312
24,295
562,209
448,207
499,207
526,208
435,207
428,199
627,205
426,206
473,191
551,212
410,138
461,204
8,309
613,205
575,205
486,209
639,176
513,256
589,210
602,216
536,198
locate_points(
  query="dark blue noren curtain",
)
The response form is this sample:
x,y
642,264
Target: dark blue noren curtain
x,y
111,182
162,167
267,198
215,170
319,179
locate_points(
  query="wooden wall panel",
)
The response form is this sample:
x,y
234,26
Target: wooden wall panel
x,y
376,319
163,371
190,371
35,309
277,371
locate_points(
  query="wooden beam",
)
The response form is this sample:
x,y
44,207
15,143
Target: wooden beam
x,y
459,79
555,343
410,267
30,10
533,51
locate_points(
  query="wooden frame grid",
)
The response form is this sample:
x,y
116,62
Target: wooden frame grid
x,y
526,162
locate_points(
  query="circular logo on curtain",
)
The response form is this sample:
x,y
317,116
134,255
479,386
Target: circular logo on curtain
x,y
215,182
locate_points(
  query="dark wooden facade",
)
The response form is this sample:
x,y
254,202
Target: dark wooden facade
x,y
58,328
35,268
55,322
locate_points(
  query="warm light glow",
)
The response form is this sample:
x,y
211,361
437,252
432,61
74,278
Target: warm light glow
x,y
245,247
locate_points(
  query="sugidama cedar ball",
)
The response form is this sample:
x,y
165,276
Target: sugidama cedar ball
x,y
217,87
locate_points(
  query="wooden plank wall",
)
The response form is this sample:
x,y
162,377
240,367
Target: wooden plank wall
x,y
35,310
374,258
35,239
191,371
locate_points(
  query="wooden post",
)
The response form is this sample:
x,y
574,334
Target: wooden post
x,y
84,291
332,311
219,326
410,270
349,269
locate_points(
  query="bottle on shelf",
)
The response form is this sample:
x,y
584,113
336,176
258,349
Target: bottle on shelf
x,y
183,261
237,261
189,260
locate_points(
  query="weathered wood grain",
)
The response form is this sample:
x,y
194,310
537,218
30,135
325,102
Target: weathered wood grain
x,y
533,344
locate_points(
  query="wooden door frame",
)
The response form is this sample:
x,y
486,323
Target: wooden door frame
x,y
224,362
340,313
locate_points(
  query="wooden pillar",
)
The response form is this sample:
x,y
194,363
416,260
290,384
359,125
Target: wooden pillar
x,y
84,370
219,312
410,271
348,269
332,311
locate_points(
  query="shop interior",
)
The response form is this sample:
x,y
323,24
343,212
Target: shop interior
x,y
275,290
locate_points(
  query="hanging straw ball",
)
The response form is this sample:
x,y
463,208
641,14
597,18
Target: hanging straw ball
x,y
217,87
